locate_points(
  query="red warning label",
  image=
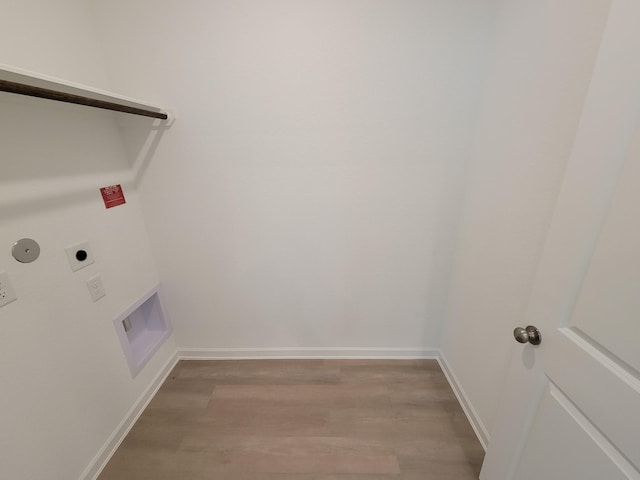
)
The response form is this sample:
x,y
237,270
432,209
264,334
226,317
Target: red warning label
x,y
112,196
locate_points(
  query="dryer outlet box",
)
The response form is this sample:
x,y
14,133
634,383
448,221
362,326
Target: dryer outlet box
x,y
79,255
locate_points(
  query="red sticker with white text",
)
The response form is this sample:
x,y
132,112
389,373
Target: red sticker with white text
x,y
112,196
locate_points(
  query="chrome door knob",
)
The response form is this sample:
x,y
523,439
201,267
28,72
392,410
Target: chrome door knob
x,y
530,334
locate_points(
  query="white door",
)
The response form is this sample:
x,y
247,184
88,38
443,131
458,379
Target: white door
x,y
572,406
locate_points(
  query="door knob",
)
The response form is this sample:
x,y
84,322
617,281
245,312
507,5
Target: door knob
x,y
530,334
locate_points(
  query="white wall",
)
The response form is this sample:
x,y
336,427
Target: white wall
x,y
306,195
64,379
535,91
56,38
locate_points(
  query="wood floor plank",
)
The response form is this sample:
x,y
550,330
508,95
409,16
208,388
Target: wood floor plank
x,y
388,373
229,418
261,372
297,455
178,393
301,420
356,395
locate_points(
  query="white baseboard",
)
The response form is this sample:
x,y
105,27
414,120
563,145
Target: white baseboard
x,y
478,426
305,353
118,435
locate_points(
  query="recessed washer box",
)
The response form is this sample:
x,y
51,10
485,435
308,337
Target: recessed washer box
x,y
141,329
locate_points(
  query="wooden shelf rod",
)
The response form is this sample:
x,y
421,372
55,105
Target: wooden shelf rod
x,y
22,89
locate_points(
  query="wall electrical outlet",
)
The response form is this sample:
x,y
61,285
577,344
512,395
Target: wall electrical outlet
x,y
79,255
7,293
96,288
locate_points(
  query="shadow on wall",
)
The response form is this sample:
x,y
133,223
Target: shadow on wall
x,y
56,155
141,137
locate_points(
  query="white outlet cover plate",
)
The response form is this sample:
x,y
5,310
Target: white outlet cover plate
x,y
73,250
7,293
96,288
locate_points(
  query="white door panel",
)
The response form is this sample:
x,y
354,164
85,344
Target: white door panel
x,y
607,394
572,410
586,454
609,301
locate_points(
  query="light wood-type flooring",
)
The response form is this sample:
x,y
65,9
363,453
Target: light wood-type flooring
x,y
301,420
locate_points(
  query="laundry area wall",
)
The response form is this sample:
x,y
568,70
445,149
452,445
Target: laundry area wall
x,y
64,379
359,178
